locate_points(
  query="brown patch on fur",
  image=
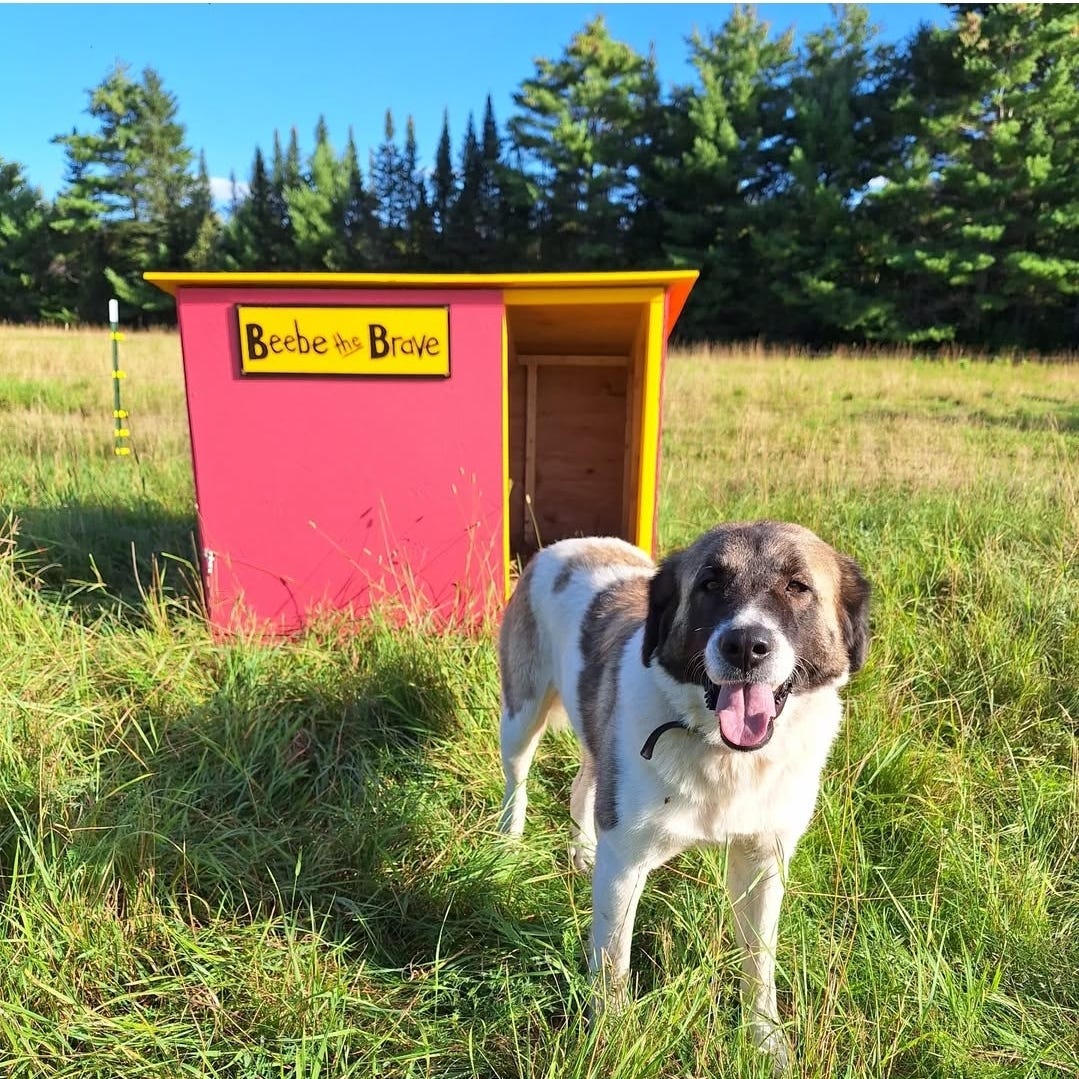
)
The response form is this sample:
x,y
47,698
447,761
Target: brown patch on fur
x,y
517,645
597,555
613,616
853,611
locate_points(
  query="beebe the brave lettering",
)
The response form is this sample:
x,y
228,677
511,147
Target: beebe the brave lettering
x,y
380,342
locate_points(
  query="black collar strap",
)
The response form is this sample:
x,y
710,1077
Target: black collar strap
x,y
650,743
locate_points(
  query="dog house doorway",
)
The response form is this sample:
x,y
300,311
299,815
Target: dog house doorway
x,y
583,371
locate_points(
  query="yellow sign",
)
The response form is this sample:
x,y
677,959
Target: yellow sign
x,y
344,340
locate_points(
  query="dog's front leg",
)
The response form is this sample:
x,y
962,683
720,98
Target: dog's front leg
x,y
617,882
755,873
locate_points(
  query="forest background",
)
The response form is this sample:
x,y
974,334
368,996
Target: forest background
x,y
835,190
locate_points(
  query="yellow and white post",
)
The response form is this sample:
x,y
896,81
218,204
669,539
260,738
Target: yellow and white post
x,y
119,413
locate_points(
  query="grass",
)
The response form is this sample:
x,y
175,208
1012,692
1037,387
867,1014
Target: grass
x,y
260,861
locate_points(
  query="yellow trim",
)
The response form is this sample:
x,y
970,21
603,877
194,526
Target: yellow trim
x,y
540,297
119,374
505,454
649,447
170,282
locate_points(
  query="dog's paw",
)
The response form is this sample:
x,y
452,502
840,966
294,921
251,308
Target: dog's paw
x,y
582,858
609,997
770,1040
511,819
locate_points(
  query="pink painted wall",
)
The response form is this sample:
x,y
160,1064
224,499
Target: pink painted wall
x,y
319,491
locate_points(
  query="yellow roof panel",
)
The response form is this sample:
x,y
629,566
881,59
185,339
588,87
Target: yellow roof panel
x,y
676,282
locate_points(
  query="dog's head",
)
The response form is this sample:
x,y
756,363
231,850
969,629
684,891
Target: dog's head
x,y
753,613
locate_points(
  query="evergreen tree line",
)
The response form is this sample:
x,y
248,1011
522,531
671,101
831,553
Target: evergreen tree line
x,y
840,190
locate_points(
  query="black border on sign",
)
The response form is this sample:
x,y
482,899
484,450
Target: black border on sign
x,y
346,376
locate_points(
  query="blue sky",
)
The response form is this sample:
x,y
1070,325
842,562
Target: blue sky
x,y
240,71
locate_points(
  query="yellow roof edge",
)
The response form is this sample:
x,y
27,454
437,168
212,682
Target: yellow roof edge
x,y
170,282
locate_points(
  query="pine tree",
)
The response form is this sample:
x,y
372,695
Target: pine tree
x,y
445,179
489,195
284,176
645,242
252,236
518,245
24,247
582,122
839,138
391,197
473,239
980,228
234,194
291,174
133,174
443,199
359,222
718,173
201,224
79,286
316,205
464,240
420,224
422,247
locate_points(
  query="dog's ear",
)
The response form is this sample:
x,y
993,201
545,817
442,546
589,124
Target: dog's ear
x,y
854,592
662,604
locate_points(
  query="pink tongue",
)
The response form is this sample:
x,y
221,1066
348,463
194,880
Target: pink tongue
x,y
743,711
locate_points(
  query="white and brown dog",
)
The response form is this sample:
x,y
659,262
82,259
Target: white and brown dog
x,y
705,698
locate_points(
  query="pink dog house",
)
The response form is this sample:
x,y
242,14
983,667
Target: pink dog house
x,y
402,440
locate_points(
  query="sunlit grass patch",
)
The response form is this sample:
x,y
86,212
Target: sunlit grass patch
x,y
234,859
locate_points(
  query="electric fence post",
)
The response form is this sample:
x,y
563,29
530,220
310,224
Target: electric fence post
x,y
120,429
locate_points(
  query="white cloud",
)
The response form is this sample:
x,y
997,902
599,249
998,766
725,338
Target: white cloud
x,y
221,189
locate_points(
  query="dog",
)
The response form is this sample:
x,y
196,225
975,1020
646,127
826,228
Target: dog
x,y
704,695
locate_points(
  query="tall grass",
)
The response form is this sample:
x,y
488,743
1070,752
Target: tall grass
x,y
246,860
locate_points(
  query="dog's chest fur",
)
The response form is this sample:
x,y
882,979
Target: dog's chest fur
x,y
696,789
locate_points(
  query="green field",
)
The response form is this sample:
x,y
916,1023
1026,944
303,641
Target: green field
x,y
245,861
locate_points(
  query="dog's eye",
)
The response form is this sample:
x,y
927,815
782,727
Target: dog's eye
x,y
797,587
710,584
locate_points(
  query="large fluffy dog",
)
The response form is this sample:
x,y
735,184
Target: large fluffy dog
x,y
704,696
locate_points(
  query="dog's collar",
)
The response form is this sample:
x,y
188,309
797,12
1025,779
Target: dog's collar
x,y
649,746
650,742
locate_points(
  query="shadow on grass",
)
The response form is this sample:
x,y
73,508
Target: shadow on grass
x,y
1058,416
312,785
1061,417
323,803
95,555
302,785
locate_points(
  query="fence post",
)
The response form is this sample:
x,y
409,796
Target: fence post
x,y
119,413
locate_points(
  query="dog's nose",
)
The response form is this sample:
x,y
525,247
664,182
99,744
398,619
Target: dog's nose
x,y
746,647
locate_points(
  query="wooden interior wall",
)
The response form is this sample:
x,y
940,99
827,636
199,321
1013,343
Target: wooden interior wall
x,y
574,440
580,436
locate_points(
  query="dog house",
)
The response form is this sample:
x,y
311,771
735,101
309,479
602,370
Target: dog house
x,y
405,439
